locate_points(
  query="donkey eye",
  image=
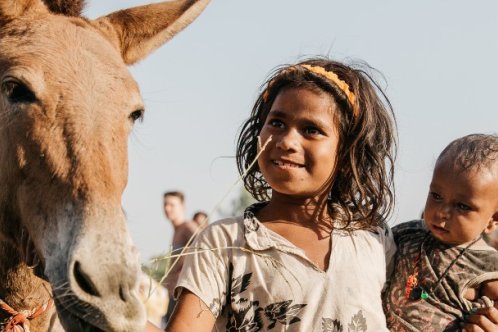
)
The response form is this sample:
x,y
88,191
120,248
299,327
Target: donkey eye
x,y
136,115
17,92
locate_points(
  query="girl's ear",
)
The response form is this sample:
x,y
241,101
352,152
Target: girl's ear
x,y
138,31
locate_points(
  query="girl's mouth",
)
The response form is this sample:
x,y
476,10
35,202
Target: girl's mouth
x,y
287,164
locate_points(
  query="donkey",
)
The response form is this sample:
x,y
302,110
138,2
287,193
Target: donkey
x,y
67,105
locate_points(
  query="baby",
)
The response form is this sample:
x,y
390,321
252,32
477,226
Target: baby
x,y
444,269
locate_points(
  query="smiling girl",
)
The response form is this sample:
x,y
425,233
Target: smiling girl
x,y
312,255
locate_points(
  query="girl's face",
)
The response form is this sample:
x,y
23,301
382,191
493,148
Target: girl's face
x,y
300,159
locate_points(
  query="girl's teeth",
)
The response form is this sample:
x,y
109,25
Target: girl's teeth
x,y
280,163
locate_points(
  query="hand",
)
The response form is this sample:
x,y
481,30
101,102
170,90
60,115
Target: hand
x,y
483,320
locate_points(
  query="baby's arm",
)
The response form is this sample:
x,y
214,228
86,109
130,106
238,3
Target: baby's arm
x,y
490,290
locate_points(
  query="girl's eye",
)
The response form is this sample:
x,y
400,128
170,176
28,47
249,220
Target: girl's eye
x,y
463,207
435,196
276,123
312,131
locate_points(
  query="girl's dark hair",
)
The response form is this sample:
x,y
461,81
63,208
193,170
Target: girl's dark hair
x,y
362,193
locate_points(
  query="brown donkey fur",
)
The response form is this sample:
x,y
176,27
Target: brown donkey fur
x,y
67,105
65,7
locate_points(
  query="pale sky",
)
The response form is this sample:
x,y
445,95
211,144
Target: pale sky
x,y
438,58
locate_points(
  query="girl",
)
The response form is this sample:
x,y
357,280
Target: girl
x,y
325,135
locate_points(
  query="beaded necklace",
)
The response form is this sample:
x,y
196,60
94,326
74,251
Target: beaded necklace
x,y
413,290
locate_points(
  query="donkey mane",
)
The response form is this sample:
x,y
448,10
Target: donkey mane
x,y
66,7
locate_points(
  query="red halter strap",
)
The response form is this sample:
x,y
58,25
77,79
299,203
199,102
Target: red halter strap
x,y
19,320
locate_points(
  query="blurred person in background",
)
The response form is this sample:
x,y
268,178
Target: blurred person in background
x,y
183,230
200,218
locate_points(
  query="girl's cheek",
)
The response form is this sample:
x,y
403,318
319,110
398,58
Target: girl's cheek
x,y
263,137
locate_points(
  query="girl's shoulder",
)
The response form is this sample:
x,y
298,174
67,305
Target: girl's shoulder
x,y
382,230
229,222
222,232
381,234
237,224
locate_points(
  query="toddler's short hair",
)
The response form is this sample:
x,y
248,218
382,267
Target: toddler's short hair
x,y
473,152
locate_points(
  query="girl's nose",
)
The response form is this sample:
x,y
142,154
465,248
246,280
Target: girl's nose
x,y
288,140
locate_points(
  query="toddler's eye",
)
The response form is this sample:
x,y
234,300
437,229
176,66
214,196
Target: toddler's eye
x,y
435,196
463,207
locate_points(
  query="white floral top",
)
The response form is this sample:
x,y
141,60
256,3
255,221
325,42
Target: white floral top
x,y
252,279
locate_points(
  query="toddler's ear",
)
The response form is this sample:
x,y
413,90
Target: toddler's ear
x,y
493,224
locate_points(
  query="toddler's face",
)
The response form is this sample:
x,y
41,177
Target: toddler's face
x,y
461,204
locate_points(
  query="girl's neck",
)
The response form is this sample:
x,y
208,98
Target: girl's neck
x,y
296,210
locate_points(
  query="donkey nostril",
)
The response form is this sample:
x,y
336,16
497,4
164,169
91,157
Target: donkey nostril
x,y
123,294
84,280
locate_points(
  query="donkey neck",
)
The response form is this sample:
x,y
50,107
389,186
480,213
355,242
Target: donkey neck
x,y
20,288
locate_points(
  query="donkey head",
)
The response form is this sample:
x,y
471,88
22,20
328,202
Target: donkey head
x,y
67,105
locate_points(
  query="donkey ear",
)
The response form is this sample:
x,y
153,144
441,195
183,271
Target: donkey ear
x,y
11,9
140,30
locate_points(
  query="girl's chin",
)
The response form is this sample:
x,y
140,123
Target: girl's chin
x,y
297,194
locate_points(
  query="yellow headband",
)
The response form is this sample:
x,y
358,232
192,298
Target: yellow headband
x,y
331,76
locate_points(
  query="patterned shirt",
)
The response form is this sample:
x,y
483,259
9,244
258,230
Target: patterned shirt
x,y
253,279
445,306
